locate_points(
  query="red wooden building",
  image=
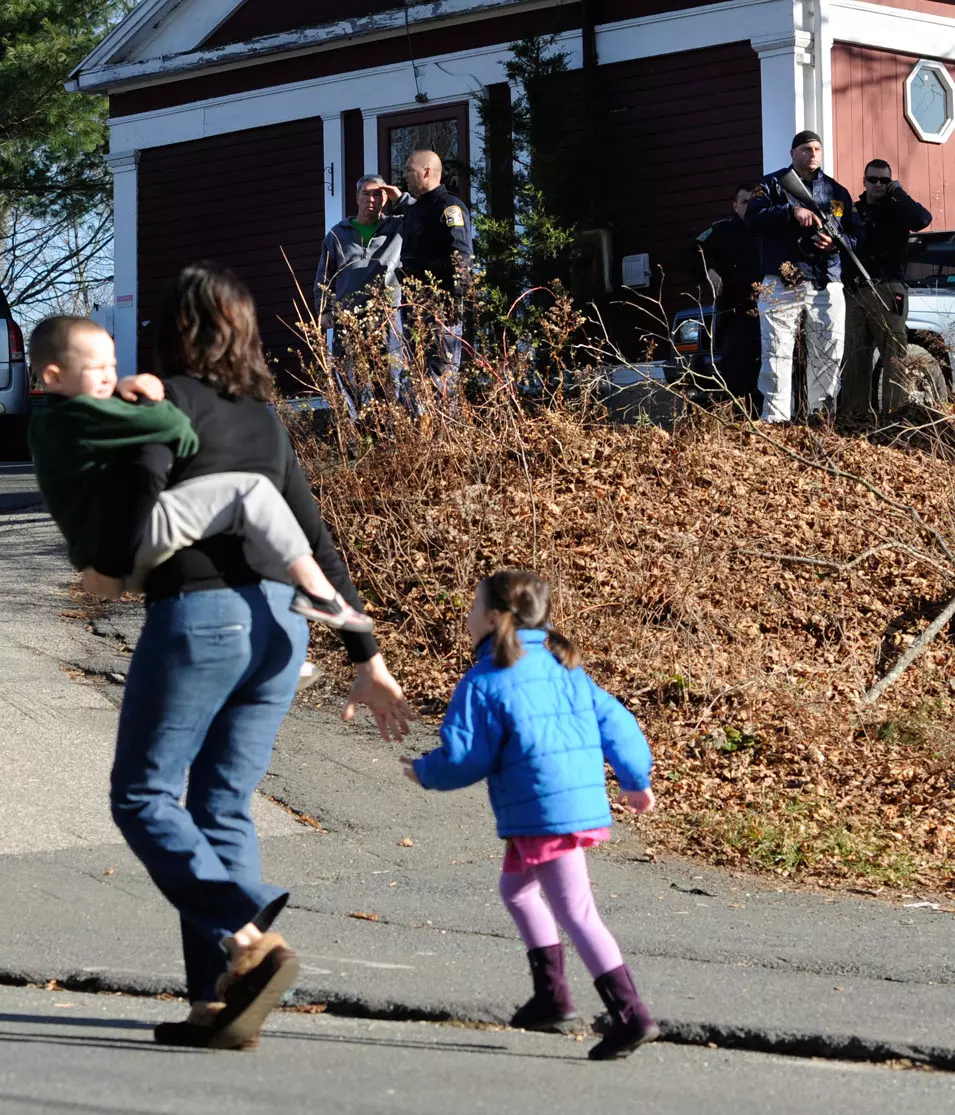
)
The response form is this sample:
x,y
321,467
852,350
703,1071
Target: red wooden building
x,y
239,127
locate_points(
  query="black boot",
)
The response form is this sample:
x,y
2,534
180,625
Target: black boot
x,y
631,1024
551,1007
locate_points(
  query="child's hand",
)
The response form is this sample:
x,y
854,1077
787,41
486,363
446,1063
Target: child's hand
x,y
409,771
149,386
98,584
637,801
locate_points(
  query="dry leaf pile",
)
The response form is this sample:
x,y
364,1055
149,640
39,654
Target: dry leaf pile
x,y
739,594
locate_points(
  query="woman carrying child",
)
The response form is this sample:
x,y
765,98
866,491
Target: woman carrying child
x,y
216,667
528,719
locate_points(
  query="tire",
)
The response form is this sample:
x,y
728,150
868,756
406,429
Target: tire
x,y
930,375
927,387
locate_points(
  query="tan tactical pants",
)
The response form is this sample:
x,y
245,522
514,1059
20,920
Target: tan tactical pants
x,y
874,323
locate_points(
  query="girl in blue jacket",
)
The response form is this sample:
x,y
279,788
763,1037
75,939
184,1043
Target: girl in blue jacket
x,y
528,719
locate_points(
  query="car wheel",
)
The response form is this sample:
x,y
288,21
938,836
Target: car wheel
x,y
925,382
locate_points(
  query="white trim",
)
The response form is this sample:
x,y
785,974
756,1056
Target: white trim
x,y
693,29
475,150
441,79
822,83
182,30
900,30
126,32
370,133
124,166
333,179
783,87
945,78
99,72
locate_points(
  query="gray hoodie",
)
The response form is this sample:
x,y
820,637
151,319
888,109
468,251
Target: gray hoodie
x,y
346,267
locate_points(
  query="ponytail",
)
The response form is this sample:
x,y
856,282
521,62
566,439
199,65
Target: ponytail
x,y
507,645
523,601
563,649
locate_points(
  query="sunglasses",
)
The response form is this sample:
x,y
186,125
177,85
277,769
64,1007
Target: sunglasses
x,y
875,180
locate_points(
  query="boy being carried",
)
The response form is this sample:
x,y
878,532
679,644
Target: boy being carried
x,y
92,417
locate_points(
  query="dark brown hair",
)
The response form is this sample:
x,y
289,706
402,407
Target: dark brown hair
x,y
50,339
208,329
523,599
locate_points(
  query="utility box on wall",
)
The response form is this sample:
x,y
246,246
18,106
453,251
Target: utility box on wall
x,y
636,270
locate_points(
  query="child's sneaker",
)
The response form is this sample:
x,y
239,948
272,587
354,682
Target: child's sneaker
x,y
308,674
335,612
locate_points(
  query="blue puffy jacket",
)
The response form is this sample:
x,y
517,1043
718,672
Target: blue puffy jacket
x,y
770,214
539,734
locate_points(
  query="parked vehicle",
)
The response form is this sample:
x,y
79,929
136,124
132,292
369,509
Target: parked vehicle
x,y
14,384
930,322
931,316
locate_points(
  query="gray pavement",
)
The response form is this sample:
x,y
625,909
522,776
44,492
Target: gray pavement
x,y
67,1054
401,930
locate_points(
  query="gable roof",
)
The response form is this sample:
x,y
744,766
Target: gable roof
x,y
155,19
162,40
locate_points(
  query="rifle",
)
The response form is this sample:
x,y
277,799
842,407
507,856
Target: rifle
x,y
794,185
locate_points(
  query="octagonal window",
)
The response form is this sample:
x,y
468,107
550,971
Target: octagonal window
x,y
930,101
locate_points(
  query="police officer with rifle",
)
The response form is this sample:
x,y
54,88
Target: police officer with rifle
x,y
803,219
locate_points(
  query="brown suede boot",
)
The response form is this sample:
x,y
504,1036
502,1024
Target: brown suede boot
x,y
250,989
196,1030
248,960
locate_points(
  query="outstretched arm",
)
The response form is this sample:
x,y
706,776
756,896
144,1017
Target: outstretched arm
x,y
470,738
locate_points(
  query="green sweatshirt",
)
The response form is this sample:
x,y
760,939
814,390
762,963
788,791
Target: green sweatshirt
x,y
75,441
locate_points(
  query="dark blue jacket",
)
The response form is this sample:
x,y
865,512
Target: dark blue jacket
x,y
781,239
436,237
539,733
731,248
887,225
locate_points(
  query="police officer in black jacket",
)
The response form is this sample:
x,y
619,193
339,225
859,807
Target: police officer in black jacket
x,y
436,241
729,253
876,319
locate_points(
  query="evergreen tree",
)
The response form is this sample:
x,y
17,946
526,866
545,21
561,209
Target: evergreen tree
x,y
534,247
55,187
51,141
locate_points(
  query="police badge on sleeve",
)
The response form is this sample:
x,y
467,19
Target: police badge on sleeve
x,y
453,216
838,210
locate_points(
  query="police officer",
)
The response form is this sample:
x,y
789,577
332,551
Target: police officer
x,y
729,252
876,319
802,277
437,242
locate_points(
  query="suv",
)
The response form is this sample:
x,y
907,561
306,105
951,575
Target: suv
x,y
931,318
930,323
14,383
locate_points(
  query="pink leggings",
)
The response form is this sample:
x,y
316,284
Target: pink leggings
x,y
565,883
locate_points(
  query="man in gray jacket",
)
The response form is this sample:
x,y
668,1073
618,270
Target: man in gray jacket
x,y
358,254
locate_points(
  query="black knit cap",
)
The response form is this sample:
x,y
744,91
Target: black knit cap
x,y
804,137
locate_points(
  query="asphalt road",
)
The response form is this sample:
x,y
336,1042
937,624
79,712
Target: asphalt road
x,y
67,1054
395,915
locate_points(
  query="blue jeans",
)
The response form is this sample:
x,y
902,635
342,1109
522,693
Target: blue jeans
x,y
209,684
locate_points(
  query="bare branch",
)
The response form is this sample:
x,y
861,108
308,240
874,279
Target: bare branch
x,y
912,653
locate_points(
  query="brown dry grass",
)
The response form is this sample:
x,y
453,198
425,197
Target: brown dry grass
x,y
704,573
